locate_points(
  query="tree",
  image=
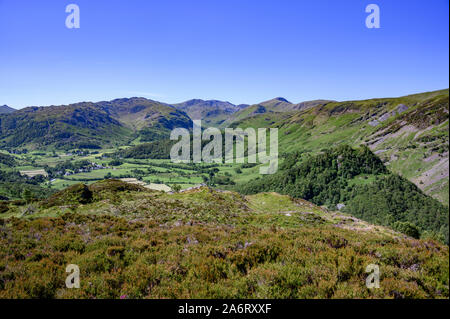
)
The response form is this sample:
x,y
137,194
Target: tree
x,y
27,195
407,228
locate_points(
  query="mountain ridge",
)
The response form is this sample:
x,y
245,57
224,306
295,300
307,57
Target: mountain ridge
x,y
96,123
212,112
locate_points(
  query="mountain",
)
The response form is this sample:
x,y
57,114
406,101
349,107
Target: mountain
x,y
90,125
211,112
409,133
140,113
357,181
131,242
150,120
5,109
72,125
309,104
280,104
277,105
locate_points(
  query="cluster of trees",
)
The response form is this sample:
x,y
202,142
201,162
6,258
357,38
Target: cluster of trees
x,y
15,186
321,179
116,162
14,176
7,160
154,150
324,180
391,199
150,134
63,167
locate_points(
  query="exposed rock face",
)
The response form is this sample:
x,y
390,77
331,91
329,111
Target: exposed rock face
x,y
385,116
374,123
401,108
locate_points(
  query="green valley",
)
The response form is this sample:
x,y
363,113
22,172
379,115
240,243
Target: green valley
x,y
359,182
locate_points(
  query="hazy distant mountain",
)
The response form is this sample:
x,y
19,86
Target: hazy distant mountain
x,y
5,109
212,112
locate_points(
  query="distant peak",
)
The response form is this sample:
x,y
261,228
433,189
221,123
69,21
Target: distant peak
x,y
282,99
205,103
195,101
6,109
278,102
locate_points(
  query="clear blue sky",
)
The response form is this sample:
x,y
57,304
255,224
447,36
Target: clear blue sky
x,y
242,51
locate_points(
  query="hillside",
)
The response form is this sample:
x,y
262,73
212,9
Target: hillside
x,y
141,113
410,133
7,160
75,125
277,107
280,104
5,109
130,242
356,181
90,125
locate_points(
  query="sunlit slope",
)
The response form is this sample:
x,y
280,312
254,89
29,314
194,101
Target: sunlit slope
x,y
410,133
130,242
90,125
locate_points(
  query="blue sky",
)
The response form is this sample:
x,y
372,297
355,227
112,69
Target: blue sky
x,y
242,51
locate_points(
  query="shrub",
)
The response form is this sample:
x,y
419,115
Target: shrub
x,y
407,228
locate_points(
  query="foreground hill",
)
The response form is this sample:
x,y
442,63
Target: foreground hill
x,y
357,181
130,242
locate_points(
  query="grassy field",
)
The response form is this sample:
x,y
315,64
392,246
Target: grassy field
x,y
161,171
